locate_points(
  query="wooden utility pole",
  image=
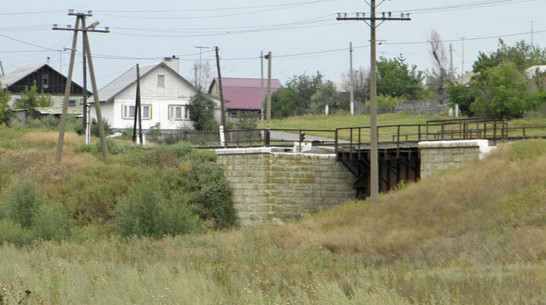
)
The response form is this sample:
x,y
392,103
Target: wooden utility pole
x,y
80,17
137,126
451,77
221,90
68,86
374,151
262,84
268,106
352,80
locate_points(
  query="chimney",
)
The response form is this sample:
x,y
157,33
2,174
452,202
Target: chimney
x,y
173,63
48,60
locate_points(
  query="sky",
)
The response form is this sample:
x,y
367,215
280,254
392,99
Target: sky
x,y
303,35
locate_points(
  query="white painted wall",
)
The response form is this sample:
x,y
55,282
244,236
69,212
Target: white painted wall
x,y
174,92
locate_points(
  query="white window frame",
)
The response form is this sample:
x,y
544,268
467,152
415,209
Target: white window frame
x,y
184,113
128,112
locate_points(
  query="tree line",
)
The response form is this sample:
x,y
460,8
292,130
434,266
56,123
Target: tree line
x,y
500,86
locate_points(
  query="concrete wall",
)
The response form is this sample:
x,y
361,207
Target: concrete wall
x,y
274,187
441,155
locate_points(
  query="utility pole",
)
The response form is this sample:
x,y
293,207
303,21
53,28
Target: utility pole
x,y
137,126
462,64
85,105
80,17
268,102
374,151
262,84
221,90
451,62
198,71
352,79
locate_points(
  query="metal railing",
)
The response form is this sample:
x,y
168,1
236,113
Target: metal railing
x,y
358,138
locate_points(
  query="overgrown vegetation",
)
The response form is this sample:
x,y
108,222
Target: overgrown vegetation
x,y
43,201
202,113
476,235
501,87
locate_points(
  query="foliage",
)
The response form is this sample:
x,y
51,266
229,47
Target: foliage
x,y
437,78
500,93
500,88
144,211
30,99
361,79
396,78
461,238
462,95
5,110
202,113
296,96
326,94
522,56
29,217
287,102
95,127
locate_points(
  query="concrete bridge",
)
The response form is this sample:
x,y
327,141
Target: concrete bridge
x,y
276,184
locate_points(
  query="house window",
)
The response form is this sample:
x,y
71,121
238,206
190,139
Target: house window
x,y
128,112
45,81
161,81
178,113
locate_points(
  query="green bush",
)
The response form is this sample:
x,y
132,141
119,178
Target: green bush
x,y
144,211
24,216
23,200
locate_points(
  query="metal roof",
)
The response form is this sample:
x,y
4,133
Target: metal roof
x,y
15,76
108,92
246,93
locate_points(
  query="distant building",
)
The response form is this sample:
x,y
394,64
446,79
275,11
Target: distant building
x,y
243,96
47,80
165,98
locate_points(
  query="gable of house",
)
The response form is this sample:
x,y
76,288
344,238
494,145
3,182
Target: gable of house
x,y
243,93
165,98
47,80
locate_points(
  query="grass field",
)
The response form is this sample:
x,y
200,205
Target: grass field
x,y
476,235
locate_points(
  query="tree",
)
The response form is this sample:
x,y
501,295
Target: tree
x,y
202,113
202,75
296,96
522,55
286,102
361,79
501,93
396,78
500,88
30,99
5,110
437,77
326,94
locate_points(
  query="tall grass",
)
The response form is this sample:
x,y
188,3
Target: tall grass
x,y
475,235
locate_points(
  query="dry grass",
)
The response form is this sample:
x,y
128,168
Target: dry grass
x,y
476,235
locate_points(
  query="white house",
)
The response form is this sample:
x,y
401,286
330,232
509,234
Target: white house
x,y
165,97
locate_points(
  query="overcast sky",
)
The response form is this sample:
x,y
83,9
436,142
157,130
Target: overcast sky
x,y
303,35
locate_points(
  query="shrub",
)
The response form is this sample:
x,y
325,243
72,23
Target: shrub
x,y
23,200
95,127
145,212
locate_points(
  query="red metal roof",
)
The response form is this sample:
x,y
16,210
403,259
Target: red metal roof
x,y
245,93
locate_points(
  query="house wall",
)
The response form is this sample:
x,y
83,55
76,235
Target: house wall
x,y
174,92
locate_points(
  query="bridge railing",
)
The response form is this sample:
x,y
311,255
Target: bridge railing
x,y
278,137
356,138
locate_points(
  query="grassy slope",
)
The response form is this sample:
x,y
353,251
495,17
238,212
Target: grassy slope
x,y
472,236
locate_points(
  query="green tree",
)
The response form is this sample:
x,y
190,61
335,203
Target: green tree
x,y
522,56
461,95
326,94
396,78
501,93
202,113
5,110
287,102
30,99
